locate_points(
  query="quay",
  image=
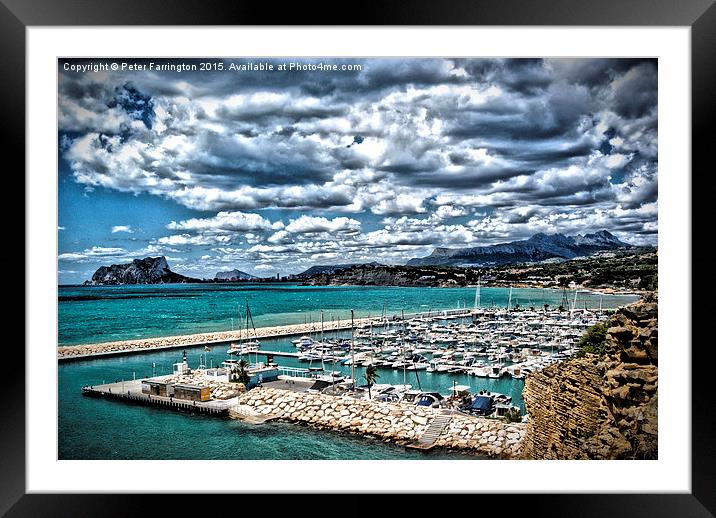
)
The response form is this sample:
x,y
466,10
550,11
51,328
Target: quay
x,y
131,392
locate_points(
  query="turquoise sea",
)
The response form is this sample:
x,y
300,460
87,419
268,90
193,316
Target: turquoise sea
x,y
103,429
90,314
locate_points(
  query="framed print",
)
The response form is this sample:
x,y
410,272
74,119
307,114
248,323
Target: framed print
x,y
446,244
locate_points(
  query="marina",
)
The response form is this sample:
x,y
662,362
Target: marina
x,y
468,362
438,257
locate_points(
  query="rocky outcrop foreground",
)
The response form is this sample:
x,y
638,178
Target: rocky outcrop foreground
x,y
393,422
600,407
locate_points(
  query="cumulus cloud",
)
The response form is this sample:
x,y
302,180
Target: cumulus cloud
x,y
187,239
224,222
313,224
389,160
94,252
122,228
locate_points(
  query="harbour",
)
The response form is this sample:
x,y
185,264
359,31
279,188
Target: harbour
x,y
433,258
419,356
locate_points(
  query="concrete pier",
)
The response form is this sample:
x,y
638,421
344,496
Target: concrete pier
x,y
131,392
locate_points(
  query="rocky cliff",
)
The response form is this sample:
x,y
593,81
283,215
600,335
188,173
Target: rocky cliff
x,y
150,270
600,407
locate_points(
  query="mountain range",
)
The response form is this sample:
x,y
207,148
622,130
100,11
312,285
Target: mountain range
x,y
539,247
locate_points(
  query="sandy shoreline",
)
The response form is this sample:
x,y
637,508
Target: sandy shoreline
x,y
166,342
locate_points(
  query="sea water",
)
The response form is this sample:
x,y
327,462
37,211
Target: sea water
x,y
91,314
93,428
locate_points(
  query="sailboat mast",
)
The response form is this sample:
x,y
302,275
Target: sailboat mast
x,y
574,304
238,320
509,299
353,357
323,363
477,294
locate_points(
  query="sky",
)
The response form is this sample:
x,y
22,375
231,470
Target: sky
x,y
275,170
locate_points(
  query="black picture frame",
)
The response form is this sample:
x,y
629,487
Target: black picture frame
x,y
700,15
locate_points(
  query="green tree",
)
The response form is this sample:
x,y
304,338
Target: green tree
x,y
513,415
593,340
240,373
371,374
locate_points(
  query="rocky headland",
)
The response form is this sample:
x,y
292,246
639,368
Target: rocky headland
x,y
150,270
600,407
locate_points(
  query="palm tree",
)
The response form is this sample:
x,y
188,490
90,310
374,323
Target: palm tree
x,y
239,373
371,374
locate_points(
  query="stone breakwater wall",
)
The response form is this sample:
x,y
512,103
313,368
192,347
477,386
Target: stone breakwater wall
x,y
394,422
166,342
600,407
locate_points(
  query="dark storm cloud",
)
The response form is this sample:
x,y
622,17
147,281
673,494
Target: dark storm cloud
x,y
635,92
279,113
466,179
595,72
524,76
544,154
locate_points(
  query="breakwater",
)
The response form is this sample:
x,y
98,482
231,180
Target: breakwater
x,y
403,424
79,352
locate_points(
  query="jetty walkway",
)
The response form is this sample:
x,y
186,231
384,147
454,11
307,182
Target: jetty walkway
x,y
131,392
